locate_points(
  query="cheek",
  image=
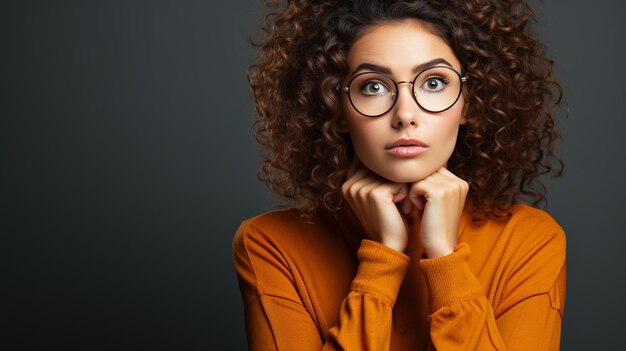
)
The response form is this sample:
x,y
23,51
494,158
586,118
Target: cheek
x,y
445,130
451,119
448,139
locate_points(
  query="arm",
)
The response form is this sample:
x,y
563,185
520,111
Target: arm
x,y
278,318
529,313
279,314
366,314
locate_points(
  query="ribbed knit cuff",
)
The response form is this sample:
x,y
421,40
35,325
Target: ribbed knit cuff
x,y
381,270
450,279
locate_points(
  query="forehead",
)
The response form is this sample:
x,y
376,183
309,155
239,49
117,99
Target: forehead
x,y
400,46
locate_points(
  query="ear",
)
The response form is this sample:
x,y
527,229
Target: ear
x,y
463,120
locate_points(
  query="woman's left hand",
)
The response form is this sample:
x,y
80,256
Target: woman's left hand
x,y
439,200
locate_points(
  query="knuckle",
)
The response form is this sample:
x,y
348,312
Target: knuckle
x,y
349,190
361,192
377,192
344,188
439,193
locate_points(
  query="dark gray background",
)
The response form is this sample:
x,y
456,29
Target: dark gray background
x,y
127,163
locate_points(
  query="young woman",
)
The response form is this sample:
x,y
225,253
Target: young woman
x,y
407,133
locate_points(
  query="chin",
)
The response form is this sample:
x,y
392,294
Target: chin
x,y
404,176
403,170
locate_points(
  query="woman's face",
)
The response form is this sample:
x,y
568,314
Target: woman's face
x,y
399,47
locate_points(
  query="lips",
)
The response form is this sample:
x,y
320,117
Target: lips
x,y
406,143
406,148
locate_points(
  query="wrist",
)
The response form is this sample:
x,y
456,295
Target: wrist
x,y
437,252
397,245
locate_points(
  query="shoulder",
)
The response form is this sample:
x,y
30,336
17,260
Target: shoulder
x,y
525,215
274,250
530,237
282,231
266,251
272,225
274,220
534,226
525,226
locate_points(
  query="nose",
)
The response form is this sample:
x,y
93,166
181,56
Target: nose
x,y
406,111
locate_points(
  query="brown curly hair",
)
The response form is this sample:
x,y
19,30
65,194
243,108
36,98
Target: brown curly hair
x,y
506,145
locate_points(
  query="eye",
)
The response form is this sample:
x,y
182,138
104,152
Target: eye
x,y
434,84
374,88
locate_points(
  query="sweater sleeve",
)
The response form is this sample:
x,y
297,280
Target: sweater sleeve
x,y
366,313
278,319
530,312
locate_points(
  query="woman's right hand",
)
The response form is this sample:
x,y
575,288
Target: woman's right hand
x,y
373,199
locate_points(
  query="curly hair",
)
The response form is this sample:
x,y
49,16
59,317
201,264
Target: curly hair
x,y
502,150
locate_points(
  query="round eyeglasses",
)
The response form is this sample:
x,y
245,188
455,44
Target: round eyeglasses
x,y
435,89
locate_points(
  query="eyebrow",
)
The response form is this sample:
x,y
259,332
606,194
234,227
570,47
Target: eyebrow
x,y
386,70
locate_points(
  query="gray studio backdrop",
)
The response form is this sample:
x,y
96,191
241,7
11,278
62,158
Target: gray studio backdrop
x,y
127,163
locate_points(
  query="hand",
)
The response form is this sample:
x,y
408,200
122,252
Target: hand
x,y
439,200
373,200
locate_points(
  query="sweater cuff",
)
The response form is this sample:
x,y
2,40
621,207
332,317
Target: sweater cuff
x,y
450,279
381,270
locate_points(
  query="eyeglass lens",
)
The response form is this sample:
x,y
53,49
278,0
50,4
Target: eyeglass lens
x,y
435,89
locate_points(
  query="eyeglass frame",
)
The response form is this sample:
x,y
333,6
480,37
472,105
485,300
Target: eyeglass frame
x,y
463,79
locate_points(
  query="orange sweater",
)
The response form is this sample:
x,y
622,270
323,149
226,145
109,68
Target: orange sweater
x,y
323,287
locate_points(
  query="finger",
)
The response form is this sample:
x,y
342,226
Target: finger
x,y
445,171
351,188
360,181
401,199
365,187
418,201
381,188
421,191
362,177
425,186
400,193
417,213
441,187
444,174
407,206
390,190
447,181
360,173
459,184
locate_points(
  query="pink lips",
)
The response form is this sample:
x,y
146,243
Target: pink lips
x,y
406,147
